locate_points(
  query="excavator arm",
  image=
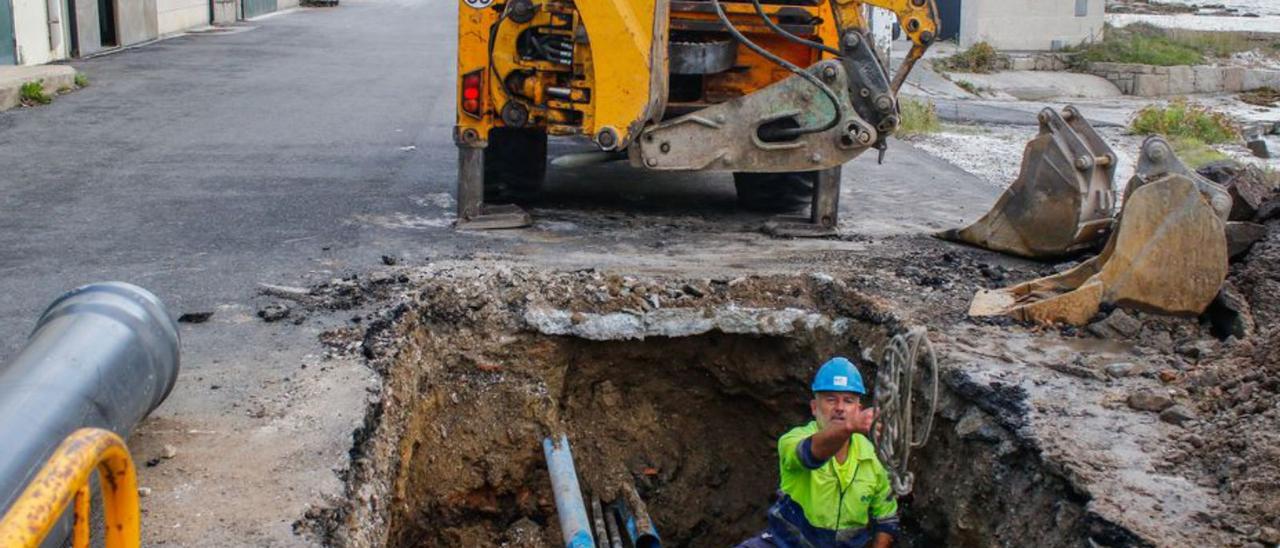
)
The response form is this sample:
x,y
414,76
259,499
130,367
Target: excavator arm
x,y
918,18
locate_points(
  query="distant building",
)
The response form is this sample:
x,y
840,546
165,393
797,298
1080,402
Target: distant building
x,y
34,32
1028,25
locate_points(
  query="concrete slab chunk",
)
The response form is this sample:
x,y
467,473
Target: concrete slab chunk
x,y
54,77
1040,86
1259,148
1241,236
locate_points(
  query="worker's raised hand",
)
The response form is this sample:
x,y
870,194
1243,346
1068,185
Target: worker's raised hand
x,y
861,421
855,423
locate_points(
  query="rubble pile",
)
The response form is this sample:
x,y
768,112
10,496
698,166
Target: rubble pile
x,y
1221,372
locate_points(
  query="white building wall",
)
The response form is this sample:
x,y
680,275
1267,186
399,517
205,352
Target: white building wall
x,y
37,41
286,4
225,11
175,16
1030,24
136,21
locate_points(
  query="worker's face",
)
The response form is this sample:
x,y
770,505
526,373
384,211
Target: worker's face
x,y
828,407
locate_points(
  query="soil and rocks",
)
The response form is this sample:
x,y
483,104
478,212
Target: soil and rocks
x,y
682,400
1234,384
1135,430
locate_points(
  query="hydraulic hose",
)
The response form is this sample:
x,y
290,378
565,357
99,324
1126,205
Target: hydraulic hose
x,y
783,32
511,94
104,355
831,95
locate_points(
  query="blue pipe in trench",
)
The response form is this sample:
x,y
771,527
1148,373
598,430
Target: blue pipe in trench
x,y
575,525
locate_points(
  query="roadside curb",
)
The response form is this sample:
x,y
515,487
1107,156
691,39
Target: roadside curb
x,y
55,77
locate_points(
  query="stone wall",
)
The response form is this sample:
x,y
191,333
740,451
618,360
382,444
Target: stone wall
x,y
1153,81
1057,62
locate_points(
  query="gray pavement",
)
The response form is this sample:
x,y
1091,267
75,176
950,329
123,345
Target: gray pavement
x,y
201,165
295,149
1100,113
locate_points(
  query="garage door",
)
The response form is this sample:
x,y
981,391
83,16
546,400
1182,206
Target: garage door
x,y
6,34
254,8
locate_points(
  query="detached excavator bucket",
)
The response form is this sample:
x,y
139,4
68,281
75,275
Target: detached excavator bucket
x,y
1168,253
1062,201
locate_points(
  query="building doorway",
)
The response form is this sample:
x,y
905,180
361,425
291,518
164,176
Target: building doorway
x,y
7,48
107,24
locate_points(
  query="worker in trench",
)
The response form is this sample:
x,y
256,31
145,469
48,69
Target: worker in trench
x,y
834,492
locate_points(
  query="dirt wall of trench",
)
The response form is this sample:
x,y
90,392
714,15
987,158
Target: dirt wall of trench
x,y
451,451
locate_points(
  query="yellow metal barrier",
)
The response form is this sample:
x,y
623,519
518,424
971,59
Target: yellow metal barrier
x,y
66,475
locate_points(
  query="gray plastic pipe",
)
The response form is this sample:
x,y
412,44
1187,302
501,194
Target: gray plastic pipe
x,y
103,355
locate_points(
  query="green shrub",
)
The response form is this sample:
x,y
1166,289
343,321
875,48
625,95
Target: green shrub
x,y
33,93
980,58
1187,120
918,117
81,80
1195,153
1213,44
969,87
1150,45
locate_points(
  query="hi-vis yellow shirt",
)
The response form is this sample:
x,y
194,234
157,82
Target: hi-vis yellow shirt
x,y
861,478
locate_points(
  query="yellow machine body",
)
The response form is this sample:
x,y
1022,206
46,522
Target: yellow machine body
x,y
617,80
791,88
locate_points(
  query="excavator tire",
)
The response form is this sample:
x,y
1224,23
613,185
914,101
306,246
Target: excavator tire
x,y
775,192
515,164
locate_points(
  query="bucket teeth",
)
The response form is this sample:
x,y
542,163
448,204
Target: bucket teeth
x,y
1167,254
1062,201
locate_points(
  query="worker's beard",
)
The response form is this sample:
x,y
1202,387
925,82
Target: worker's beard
x,y
826,419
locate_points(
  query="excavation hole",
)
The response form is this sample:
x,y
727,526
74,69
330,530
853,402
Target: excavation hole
x,y
477,374
691,422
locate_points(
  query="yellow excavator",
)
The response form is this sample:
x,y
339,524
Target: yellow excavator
x,y
782,93
779,92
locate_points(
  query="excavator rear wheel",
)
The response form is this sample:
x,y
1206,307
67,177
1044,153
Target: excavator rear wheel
x,y
515,164
775,192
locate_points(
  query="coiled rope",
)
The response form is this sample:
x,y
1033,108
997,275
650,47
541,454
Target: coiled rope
x,y
894,426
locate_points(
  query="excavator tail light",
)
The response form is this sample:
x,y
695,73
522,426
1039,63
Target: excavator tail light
x,y
471,83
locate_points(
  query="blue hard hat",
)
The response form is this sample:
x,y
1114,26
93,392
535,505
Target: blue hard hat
x,y
838,375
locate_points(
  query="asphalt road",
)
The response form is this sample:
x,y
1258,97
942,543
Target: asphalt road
x,y
297,148
201,165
